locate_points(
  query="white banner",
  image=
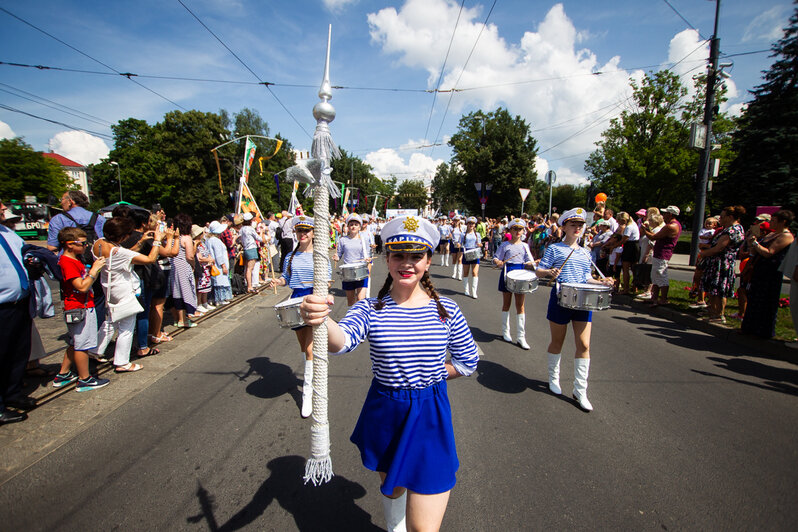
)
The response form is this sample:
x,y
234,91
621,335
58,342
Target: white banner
x,y
393,213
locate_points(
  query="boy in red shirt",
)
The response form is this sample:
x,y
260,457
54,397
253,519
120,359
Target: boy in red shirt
x,y
81,332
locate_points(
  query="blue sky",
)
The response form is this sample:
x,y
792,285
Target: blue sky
x,y
535,58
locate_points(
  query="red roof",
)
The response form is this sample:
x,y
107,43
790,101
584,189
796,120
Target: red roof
x,y
63,161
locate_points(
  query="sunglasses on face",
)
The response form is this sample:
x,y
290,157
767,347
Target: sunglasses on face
x,y
77,242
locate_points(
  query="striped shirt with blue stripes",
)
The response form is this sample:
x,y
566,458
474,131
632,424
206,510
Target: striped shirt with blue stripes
x,y
578,267
514,253
408,345
301,270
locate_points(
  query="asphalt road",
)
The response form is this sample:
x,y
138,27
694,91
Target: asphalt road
x,y
687,433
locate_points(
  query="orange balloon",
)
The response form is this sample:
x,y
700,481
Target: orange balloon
x,y
601,197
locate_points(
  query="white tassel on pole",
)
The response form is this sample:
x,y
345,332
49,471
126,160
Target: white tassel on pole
x,y
318,468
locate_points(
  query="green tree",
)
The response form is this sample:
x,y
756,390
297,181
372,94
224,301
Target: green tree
x,y
643,158
766,143
23,171
411,194
447,188
494,148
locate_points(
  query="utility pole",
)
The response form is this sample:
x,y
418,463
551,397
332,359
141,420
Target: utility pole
x,y
706,152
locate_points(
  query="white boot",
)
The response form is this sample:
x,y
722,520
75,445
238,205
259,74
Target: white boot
x,y
467,286
443,258
506,326
554,374
521,333
581,369
460,271
368,289
395,513
454,270
474,283
307,390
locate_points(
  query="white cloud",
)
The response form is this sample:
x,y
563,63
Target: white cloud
x,y
79,146
6,132
337,5
768,26
544,77
387,162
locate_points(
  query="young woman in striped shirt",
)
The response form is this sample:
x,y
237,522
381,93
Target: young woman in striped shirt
x,y
298,274
405,427
577,269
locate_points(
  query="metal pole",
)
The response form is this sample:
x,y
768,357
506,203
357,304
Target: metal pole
x,y
549,199
706,153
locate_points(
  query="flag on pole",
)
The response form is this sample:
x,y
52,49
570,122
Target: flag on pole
x,y
249,157
294,206
345,211
247,203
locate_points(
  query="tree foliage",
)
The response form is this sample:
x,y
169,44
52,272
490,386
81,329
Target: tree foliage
x,y
766,143
411,194
493,148
23,171
365,187
447,188
643,158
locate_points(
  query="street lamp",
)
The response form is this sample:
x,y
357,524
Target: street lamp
x,y
118,177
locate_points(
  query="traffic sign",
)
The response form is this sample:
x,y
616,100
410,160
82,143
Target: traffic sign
x,y
551,177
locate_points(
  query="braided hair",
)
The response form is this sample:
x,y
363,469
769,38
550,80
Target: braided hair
x,y
290,260
426,283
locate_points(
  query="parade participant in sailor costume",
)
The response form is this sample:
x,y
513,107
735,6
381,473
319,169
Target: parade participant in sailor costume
x,y
298,275
445,231
513,255
471,240
405,427
576,269
352,248
457,248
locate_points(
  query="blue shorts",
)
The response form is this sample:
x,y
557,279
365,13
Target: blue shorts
x,y
562,315
354,285
251,254
408,435
510,267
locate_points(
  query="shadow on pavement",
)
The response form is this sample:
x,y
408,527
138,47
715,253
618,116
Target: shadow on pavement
x,y
484,337
273,380
330,506
682,336
776,379
498,378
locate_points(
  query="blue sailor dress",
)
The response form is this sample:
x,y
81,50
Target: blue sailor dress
x,y
405,427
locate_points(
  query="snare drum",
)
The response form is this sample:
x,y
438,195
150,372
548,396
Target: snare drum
x,y
354,272
288,315
585,296
472,254
521,281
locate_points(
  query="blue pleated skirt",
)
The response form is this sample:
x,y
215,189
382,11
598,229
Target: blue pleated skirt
x,y
408,435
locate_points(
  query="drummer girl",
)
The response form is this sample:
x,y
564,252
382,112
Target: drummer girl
x,y
405,427
471,240
457,248
513,255
298,274
577,269
352,249
445,231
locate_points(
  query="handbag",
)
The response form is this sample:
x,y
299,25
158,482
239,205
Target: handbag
x,y
129,306
215,271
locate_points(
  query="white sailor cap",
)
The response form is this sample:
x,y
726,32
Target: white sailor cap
x,y
410,234
354,217
471,220
248,216
516,222
303,221
216,228
574,214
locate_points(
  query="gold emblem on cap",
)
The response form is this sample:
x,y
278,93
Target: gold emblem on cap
x,y
579,211
411,224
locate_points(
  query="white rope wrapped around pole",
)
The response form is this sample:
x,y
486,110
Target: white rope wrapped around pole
x,y
318,468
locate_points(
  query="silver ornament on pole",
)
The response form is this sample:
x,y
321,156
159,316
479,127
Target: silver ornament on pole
x,y
318,468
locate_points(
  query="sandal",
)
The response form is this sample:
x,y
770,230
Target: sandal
x,y
101,359
163,337
128,368
188,325
152,352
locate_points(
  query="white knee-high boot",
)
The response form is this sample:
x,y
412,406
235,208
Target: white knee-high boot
x,y
506,326
554,374
467,286
443,258
474,284
395,510
581,369
460,271
521,338
307,389
454,270
447,259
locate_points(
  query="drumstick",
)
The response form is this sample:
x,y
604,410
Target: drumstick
x,y
564,262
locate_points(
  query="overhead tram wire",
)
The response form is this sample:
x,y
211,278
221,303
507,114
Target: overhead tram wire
x,y
56,106
261,82
443,67
15,110
451,95
684,19
90,57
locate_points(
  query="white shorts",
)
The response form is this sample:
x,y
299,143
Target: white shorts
x,y
82,336
659,272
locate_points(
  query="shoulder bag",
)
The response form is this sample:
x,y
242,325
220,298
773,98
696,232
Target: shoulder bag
x,y
129,306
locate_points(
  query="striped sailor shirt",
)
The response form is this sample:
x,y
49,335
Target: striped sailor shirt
x,y
578,267
301,270
408,345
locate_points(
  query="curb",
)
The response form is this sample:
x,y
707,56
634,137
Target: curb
x,y
775,349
